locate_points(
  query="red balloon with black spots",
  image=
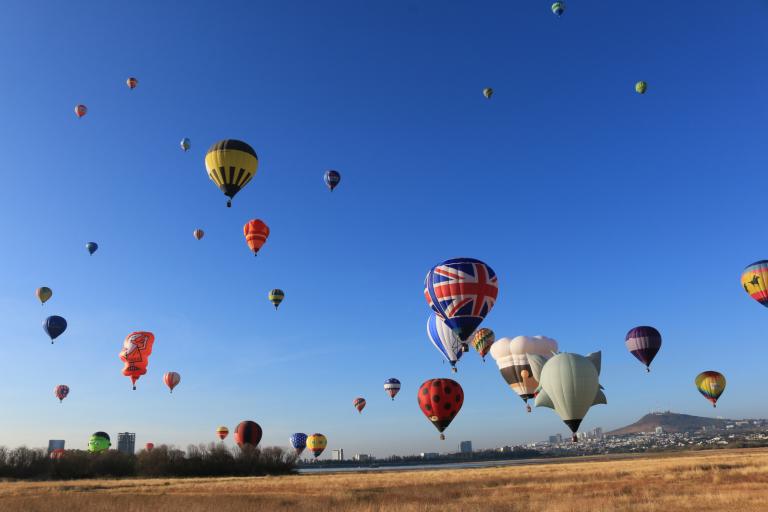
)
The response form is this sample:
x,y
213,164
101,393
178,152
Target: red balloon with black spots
x,y
440,400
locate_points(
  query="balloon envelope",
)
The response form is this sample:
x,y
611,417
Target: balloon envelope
x,y
81,110
332,179
482,341
392,387
511,356
256,233
92,247
185,144
359,403
132,83
298,442
248,433
711,385
444,339
171,379
316,443
99,442
54,326
231,164
440,400
137,347
149,446
461,291
488,92
43,294
61,391
641,87
644,343
558,8
198,233
222,432
754,279
276,296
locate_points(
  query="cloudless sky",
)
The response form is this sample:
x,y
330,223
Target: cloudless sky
x,y
598,208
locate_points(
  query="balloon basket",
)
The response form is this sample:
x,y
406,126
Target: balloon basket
x,y
528,408
442,437
454,370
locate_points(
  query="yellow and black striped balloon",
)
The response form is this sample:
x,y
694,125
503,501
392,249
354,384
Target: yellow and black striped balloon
x,y
276,296
231,164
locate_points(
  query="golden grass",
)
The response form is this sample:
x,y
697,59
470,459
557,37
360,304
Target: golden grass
x,y
701,481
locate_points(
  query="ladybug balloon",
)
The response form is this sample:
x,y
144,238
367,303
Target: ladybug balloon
x,y
440,400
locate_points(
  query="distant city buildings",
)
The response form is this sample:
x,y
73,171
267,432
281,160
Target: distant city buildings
x,y
465,447
597,433
659,431
429,455
55,444
362,457
337,454
126,442
556,439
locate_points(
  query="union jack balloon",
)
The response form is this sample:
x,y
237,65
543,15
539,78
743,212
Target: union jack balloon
x,y
461,291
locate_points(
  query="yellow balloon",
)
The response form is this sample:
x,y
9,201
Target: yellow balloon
x,y
231,164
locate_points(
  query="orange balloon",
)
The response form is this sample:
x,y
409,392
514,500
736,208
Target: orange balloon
x,y
256,233
135,354
81,110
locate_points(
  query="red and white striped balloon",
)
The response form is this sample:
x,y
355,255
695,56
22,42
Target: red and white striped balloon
x,y
171,380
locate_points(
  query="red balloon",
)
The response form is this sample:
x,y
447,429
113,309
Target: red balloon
x,y
135,354
81,110
198,233
256,233
57,453
440,400
149,446
359,403
247,433
61,391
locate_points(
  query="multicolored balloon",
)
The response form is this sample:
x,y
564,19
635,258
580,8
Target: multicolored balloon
x,y
461,291
81,110
137,347
569,384
132,82
359,403
149,447
488,92
332,179
392,387
198,233
754,279
440,400
482,341
57,454
644,343
222,432
185,144
256,234
711,385
231,164
298,442
511,356
444,340
92,247
316,444
641,87
54,326
171,379
558,8
99,442
43,294
61,391
248,433
276,296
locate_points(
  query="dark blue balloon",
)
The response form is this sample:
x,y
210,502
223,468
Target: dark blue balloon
x,y
54,326
332,178
91,246
299,442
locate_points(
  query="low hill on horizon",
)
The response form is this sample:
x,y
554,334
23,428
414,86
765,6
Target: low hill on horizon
x,y
670,422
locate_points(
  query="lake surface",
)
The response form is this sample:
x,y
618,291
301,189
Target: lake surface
x,y
423,467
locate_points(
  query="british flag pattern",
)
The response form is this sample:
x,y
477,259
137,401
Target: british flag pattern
x,y
462,291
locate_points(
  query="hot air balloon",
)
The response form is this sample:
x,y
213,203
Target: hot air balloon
x,y
185,144
488,92
231,164
132,82
643,342
276,296
332,179
198,233
359,403
444,340
57,454
256,233
711,384
558,8
149,446
512,359
92,247
43,294
569,384
99,442
247,433
61,391
222,432
81,110
171,379
316,444
54,326
640,87
392,387
753,279
482,341
135,353
461,291
440,400
299,442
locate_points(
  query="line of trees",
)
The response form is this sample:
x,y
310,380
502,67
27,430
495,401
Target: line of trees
x,y
163,461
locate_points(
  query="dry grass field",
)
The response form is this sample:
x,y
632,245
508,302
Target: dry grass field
x,y
716,480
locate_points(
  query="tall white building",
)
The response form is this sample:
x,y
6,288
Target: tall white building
x,y
337,454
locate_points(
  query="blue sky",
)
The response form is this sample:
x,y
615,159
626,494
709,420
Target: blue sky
x,y
598,208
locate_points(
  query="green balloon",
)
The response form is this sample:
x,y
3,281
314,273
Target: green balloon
x,y
99,442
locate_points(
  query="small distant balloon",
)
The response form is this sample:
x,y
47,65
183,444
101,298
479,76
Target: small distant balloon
x,y
92,247
132,82
392,387
276,296
332,179
711,385
61,391
644,343
57,454
558,8
316,444
488,92
186,144
298,442
54,326
222,432
248,433
43,294
482,341
171,379
256,233
359,403
198,233
149,446
641,87
81,110
754,279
